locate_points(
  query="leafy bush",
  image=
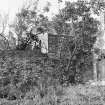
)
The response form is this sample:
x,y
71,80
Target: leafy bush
x,y
24,74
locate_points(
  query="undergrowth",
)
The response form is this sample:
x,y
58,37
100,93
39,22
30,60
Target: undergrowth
x,y
30,80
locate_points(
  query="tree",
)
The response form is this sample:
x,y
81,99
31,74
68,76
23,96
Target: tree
x,y
75,20
27,22
97,6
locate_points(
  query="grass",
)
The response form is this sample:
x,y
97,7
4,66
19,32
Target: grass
x,y
53,94
72,95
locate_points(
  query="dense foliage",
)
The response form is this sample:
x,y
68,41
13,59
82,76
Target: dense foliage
x,y
75,20
24,72
21,73
28,24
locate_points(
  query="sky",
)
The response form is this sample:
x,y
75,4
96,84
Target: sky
x,y
11,7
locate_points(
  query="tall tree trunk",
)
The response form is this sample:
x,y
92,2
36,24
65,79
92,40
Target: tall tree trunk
x,y
74,50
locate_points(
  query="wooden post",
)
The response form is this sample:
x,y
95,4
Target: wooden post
x,y
95,66
95,70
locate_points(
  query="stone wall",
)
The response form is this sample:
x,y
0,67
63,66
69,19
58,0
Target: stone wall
x,y
57,46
